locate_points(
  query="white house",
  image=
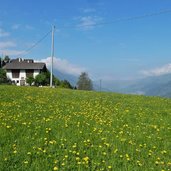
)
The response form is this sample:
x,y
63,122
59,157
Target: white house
x,y
19,69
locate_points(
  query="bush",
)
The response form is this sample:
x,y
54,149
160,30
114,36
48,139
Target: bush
x,y
41,79
30,80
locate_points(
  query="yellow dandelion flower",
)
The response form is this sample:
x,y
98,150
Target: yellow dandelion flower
x,y
162,162
128,159
156,162
25,162
55,168
104,153
126,155
139,163
86,158
77,158
116,150
109,167
164,152
169,163
56,161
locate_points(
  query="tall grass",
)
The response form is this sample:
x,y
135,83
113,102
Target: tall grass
x,y
57,129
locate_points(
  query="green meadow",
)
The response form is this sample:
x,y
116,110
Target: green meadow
x,y
68,130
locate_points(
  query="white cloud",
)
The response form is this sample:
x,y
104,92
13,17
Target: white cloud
x,y
5,48
166,69
64,66
12,52
89,10
7,44
88,22
3,33
20,26
28,27
16,26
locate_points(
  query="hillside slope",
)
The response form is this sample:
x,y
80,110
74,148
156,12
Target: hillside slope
x,y
153,86
150,86
57,129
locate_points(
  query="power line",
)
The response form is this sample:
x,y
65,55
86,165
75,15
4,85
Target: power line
x,y
35,44
97,24
120,19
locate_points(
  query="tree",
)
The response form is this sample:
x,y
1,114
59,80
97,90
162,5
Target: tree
x,y
56,81
66,84
41,79
4,61
84,82
30,80
44,79
0,62
3,77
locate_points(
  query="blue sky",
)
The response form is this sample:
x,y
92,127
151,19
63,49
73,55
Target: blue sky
x,y
126,49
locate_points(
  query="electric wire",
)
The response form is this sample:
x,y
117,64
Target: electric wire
x,y
34,45
119,20
95,24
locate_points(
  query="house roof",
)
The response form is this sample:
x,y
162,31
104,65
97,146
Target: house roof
x,y
24,64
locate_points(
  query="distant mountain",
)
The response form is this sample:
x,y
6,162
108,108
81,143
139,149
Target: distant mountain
x,y
153,86
150,86
62,76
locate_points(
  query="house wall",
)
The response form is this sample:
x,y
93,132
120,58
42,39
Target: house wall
x,y
22,76
9,74
36,72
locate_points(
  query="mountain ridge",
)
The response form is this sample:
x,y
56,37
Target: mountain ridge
x,y
149,86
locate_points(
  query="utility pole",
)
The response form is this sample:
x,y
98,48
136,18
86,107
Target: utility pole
x,y
2,58
101,95
52,55
100,85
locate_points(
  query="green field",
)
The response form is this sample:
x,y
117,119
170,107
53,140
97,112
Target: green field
x,y
55,129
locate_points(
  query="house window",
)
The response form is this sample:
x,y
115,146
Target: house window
x,y
15,73
29,72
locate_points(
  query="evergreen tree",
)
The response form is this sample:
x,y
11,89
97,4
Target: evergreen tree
x,y
84,82
56,81
4,61
66,84
0,62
